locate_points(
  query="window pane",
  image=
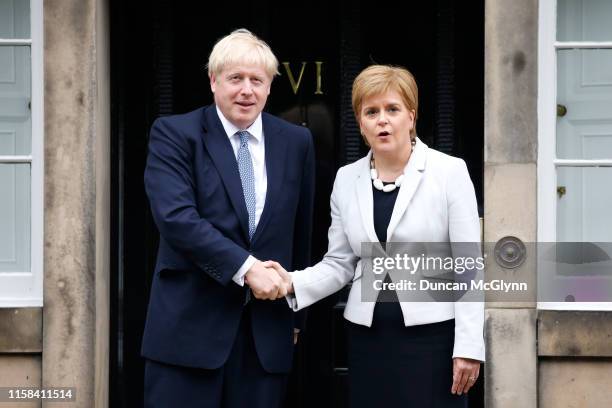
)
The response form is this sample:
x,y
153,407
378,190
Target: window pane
x,y
583,204
15,90
584,90
14,18
14,218
584,20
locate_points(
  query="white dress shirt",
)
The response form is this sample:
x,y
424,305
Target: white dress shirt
x,y
258,156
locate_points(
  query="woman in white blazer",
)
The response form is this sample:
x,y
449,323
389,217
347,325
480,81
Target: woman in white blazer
x,y
408,354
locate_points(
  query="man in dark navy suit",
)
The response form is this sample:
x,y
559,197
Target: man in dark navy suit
x,y
229,186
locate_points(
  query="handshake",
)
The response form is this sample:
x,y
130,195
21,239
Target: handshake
x,y
268,280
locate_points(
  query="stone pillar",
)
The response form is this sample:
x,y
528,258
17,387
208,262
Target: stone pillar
x,y
75,312
511,32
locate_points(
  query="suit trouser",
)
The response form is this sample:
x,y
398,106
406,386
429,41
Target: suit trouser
x,y
241,382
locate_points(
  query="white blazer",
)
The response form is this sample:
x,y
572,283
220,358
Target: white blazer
x,y
436,203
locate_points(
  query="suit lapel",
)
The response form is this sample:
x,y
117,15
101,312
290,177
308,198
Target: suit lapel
x,y
276,147
413,173
363,190
220,150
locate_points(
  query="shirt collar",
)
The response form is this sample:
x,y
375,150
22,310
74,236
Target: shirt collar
x,y
256,129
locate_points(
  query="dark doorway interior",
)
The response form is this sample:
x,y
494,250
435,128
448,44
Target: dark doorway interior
x,y
159,50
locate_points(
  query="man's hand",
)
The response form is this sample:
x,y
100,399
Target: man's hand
x,y
284,275
265,282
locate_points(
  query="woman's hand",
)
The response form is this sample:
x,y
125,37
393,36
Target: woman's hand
x,y
465,373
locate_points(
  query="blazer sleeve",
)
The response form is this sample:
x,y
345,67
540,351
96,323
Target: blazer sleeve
x,y
170,187
464,228
337,267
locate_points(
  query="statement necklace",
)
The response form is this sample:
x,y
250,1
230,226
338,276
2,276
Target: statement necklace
x,y
378,183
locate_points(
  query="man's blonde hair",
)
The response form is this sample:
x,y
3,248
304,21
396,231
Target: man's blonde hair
x,y
380,79
242,47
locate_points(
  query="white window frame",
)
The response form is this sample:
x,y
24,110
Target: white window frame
x,y
547,127
25,289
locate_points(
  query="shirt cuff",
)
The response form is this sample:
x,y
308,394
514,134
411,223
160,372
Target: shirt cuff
x,y
292,302
239,276
291,299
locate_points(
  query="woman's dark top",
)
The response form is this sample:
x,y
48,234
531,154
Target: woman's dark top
x,y
383,208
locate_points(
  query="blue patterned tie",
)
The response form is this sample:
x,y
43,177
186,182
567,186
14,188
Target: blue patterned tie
x,y
247,177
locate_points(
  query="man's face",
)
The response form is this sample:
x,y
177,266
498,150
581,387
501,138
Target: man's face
x,y
241,93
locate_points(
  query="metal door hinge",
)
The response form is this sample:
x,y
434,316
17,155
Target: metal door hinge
x,y
561,191
561,110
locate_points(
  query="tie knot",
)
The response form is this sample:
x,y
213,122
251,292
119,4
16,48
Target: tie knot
x,y
244,136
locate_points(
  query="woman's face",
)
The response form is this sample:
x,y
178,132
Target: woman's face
x,y
386,122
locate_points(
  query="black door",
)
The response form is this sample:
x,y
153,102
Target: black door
x,y
158,54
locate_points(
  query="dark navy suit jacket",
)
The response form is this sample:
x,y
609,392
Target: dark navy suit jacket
x,y
196,198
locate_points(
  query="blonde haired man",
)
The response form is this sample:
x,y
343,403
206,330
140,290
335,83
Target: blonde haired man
x,y
229,185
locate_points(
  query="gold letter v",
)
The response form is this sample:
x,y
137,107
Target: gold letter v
x,y
294,85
